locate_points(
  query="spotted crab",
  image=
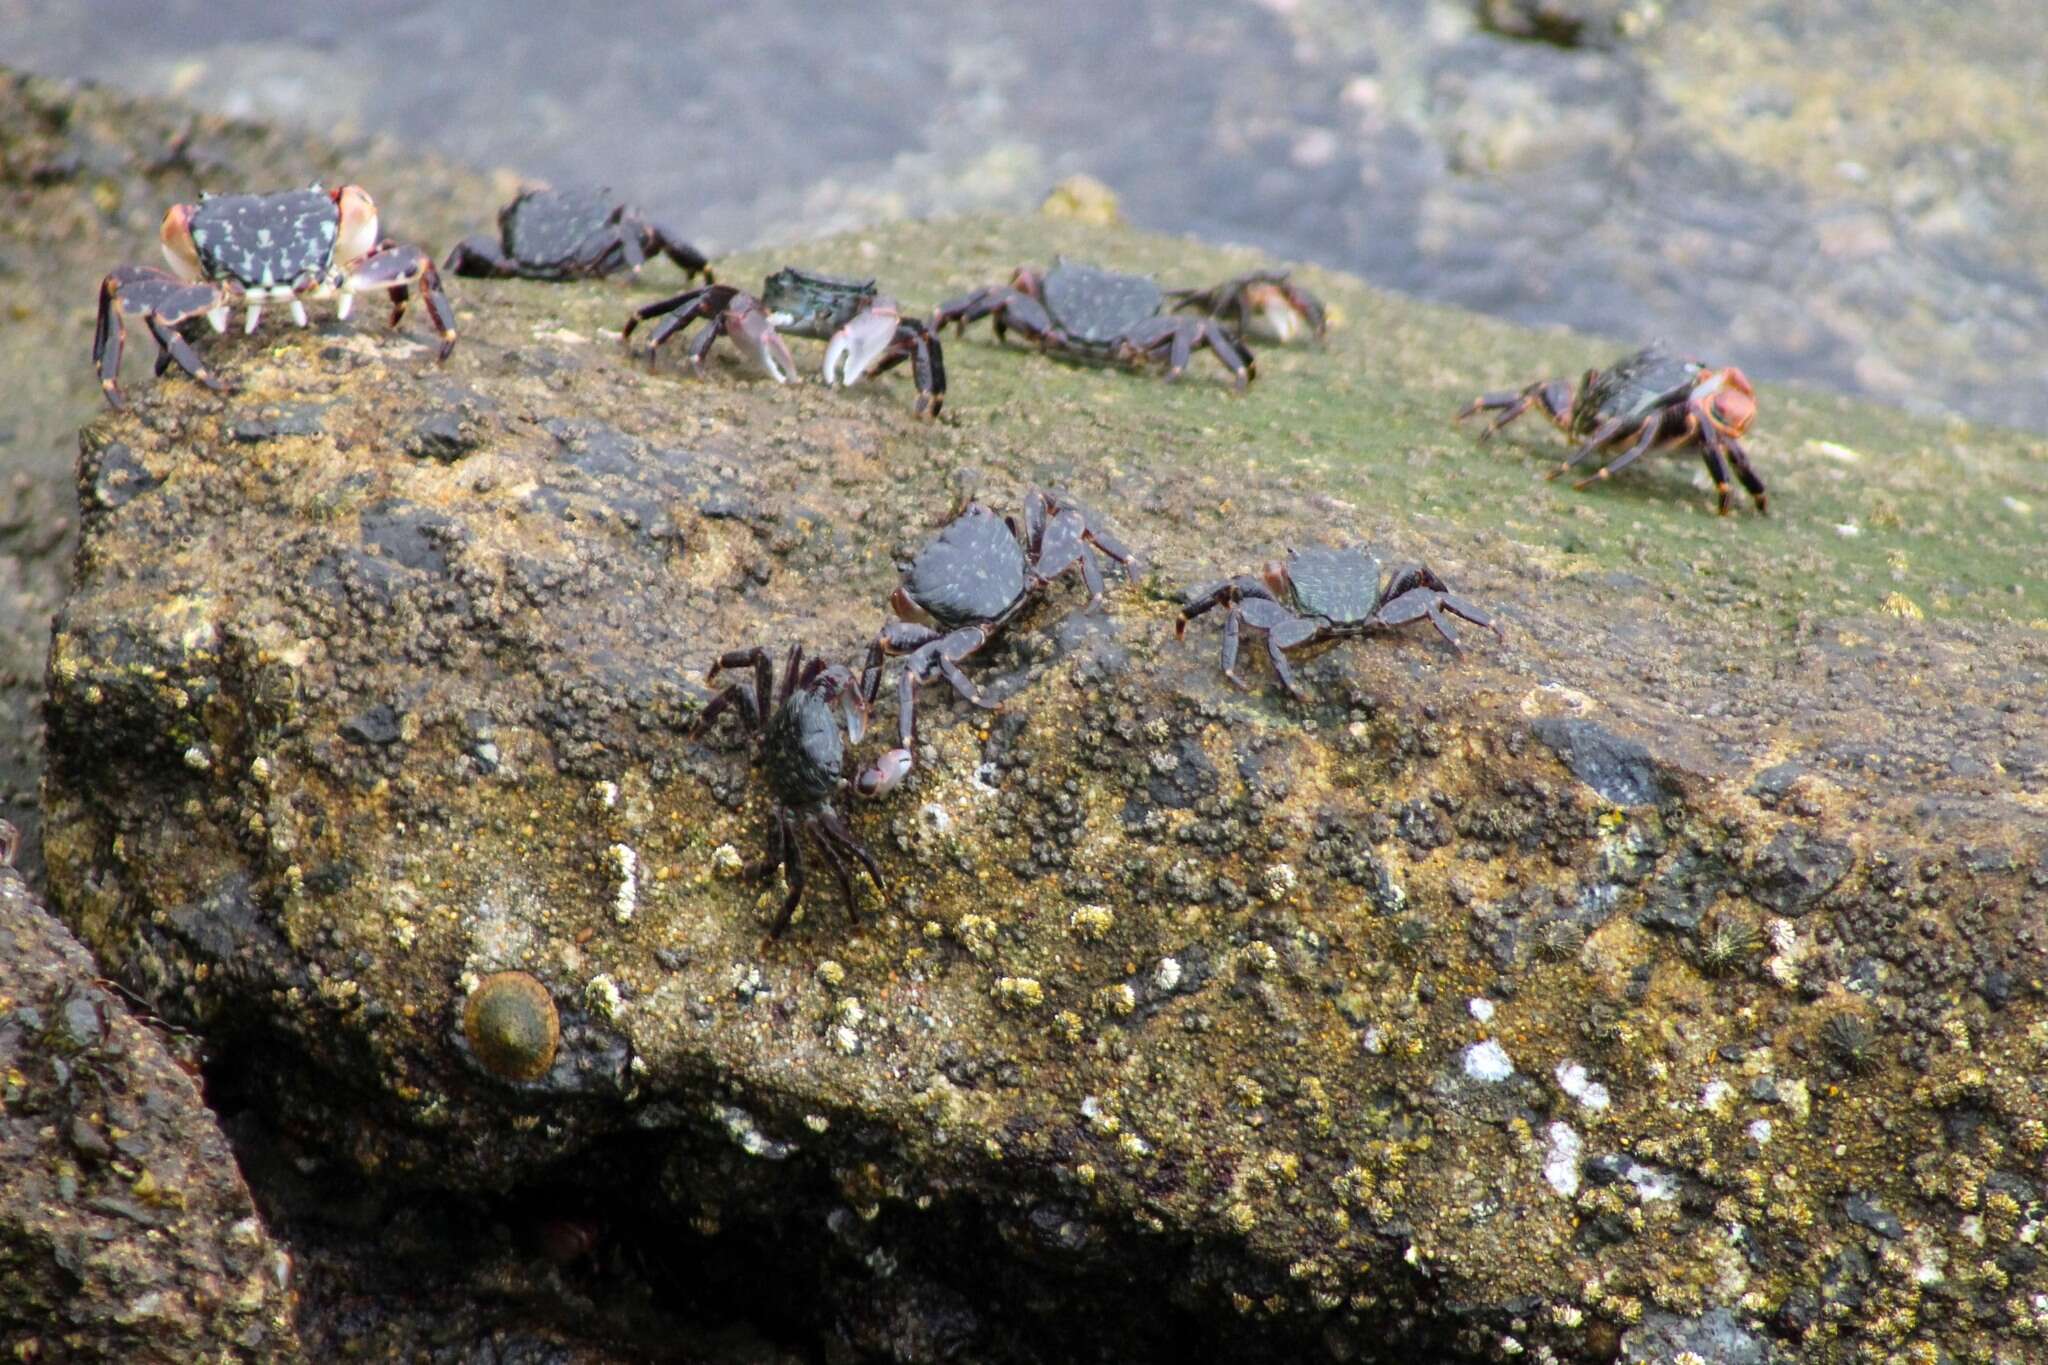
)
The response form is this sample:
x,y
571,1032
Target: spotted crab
x,y
253,249
732,313
1267,302
1642,401
1085,313
546,234
968,582
866,332
803,754
1321,594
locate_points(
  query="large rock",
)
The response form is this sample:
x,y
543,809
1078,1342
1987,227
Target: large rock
x,y
126,1232
1190,1017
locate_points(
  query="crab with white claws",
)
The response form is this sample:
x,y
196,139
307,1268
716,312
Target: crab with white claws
x,y
866,332
253,249
1321,594
972,579
548,234
1267,302
732,313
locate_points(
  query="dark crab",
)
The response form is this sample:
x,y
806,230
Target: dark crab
x,y
546,234
1085,313
1642,401
804,756
732,312
964,586
867,333
1267,302
254,249
1321,594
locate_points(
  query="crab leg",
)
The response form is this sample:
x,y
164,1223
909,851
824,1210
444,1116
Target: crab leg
x,y
163,302
687,258
1554,395
838,830
479,257
1739,457
823,840
1281,637
398,269
793,870
921,346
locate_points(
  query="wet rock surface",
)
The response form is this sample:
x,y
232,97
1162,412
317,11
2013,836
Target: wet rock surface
x,y
126,1232
1306,1027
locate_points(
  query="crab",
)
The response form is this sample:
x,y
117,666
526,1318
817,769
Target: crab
x,y
804,755
866,332
1321,594
1265,301
254,249
1085,313
1643,400
733,312
546,234
967,583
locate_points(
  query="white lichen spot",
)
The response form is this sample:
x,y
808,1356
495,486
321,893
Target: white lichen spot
x,y
850,1011
1280,881
404,932
1091,922
984,778
1787,951
1374,1041
1488,1062
726,860
1167,975
1650,1183
1019,992
601,996
1481,1008
747,1135
1575,1081
625,865
830,973
260,771
1796,1098
845,1041
1561,1162
1760,1132
1099,1118
1259,957
1848,530
935,815
607,794
817,1123
196,759
1717,1097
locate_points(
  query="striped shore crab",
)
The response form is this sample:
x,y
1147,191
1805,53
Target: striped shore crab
x,y
252,249
1320,594
1640,402
803,754
732,313
1081,312
1266,302
968,582
866,333
547,234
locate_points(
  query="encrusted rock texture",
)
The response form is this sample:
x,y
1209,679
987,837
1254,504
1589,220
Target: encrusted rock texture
x,y
1665,977
126,1232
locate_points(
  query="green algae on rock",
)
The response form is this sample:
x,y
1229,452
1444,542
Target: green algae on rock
x,y
1307,1026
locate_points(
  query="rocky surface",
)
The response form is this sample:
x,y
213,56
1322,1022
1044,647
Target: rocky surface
x,y
126,1232
1663,978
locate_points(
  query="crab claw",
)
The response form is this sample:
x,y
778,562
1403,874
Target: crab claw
x,y
179,248
356,236
752,332
861,342
884,774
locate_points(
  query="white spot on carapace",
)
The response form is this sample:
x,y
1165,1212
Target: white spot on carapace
x,y
1488,1062
1561,1163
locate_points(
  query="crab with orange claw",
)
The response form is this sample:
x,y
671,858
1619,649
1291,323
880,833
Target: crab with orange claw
x,y
1318,594
731,313
1265,302
866,333
548,234
968,582
253,249
1639,403
1080,312
804,756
